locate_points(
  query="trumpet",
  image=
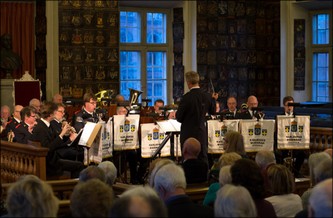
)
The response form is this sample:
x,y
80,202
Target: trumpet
x,y
71,128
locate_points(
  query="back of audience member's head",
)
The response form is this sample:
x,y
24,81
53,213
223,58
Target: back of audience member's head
x,y
139,202
31,197
320,201
234,142
225,175
314,160
264,158
227,159
92,172
281,179
247,173
167,179
110,172
92,198
154,167
191,148
323,170
234,201
329,151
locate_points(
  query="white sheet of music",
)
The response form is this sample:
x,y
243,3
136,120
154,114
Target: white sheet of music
x,y
169,125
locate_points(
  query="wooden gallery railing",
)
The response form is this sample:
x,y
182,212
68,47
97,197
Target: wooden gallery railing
x,y
320,139
19,159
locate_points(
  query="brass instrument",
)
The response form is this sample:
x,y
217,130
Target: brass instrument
x,y
10,136
133,102
104,97
71,129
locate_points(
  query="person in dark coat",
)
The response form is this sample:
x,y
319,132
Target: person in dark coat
x,y
192,111
23,131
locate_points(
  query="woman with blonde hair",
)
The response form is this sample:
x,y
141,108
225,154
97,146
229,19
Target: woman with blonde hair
x,y
282,183
234,142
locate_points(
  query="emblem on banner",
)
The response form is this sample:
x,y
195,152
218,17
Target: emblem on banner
x,y
293,126
257,129
264,132
250,132
217,133
132,128
300,128
127,125
162,135
286,128
155,133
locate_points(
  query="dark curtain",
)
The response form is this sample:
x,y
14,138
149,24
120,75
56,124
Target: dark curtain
x,y
17,19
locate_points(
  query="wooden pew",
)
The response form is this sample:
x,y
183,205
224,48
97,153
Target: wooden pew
x,y
320,139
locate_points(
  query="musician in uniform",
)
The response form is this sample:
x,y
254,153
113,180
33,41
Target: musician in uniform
x,y
87,113
23,131
231,112
12,123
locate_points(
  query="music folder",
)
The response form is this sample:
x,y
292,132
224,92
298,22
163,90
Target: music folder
x,y
89,133
169,125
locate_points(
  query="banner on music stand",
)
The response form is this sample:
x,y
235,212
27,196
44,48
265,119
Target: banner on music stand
x,y
216,131
151,138
258,135
126,132
293,132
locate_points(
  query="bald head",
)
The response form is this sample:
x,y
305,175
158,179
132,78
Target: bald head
x,y
57,98
191,148
252,101
35,103
17,111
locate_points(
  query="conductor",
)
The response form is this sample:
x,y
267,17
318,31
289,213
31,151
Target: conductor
x,y
192,112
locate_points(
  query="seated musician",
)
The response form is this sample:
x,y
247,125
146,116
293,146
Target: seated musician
x,y
23,131
161,114
7,134
231,112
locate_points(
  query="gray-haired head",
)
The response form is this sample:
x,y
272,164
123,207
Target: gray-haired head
x,y
110,171
234,201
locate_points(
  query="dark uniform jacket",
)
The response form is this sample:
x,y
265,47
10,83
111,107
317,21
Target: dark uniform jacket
x,y
11,124
43,134
82,117
191,113
22,134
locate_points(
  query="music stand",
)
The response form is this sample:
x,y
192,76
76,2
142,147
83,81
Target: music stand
x,y
171,128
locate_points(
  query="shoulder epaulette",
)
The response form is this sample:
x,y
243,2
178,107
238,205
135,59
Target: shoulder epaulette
x,y
18,125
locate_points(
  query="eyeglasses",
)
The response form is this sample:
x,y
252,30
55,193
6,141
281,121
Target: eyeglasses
x,y
61,111
93,102
33,116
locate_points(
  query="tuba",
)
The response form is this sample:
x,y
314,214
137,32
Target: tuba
x,y
104,97
134,96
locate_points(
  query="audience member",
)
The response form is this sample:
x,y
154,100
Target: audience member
x,y
224,160
170,183
234,142
92,172
234,201
12,123
224,178
320,202
192,110
31,197
43,134
320,167
247,173
156,164
57,98
329,151
87,113
264,159
196,170
23,131
282,183
139,202
110,172
92,198
72,152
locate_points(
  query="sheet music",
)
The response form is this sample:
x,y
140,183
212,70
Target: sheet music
x,y
89,133
169,125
